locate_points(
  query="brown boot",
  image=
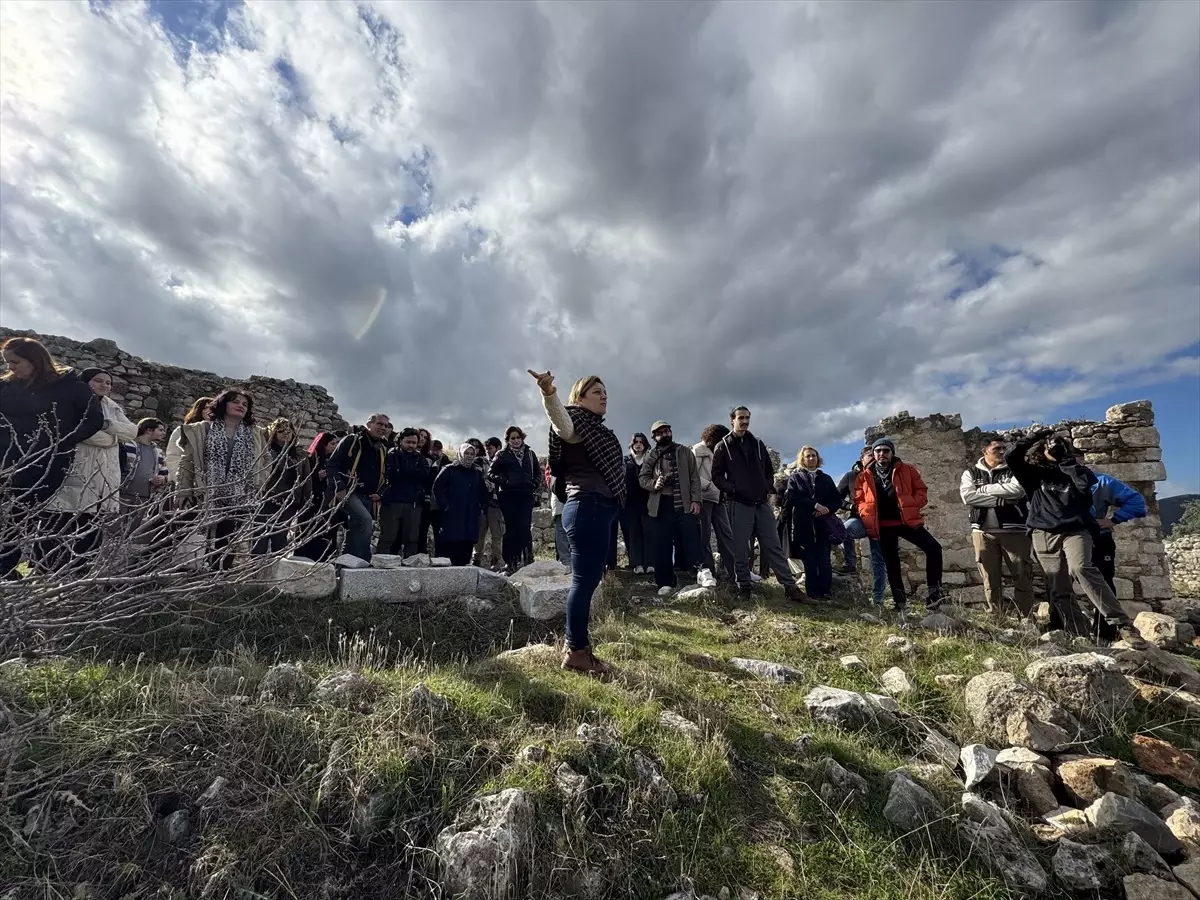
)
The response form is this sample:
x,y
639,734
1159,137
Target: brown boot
x,y
586,663
797,595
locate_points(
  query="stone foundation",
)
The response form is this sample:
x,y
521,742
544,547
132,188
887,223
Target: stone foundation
x,y
144,388
1125,445
1183,557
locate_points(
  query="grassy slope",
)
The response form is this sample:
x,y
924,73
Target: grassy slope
x,y
331,803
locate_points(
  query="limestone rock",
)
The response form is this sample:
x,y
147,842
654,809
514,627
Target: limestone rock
x,y
1014,756
652,781
668,718
843,709
993,840
910,806
1156,666
1088,778
1087,684
177,827
896,681
901,645
1147,887
424,702
342,688
1009,712
483,853
538,653
1138,856
936,745
440,562
213,793
1035,788
304,579
1085,868
1185,826
771,671
285,683
880,701
418,561
489,583
1119,815
1160,630
1069,821
979,764
1160,758
386,561
1189,876
544,598
541,569
1048,651
945,624
350,561
406,585
533,754
871,619
838,786
853,663
1153,794
948,681
698,594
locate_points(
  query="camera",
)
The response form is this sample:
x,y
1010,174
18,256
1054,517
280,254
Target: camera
x,y
1058,448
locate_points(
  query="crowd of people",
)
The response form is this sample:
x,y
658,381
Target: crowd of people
x,y
73,464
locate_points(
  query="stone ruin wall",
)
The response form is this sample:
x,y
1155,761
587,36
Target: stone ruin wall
x,y
1125,445
1183,557
144,388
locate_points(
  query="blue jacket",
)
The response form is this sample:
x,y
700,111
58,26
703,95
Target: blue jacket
x,y
1110,494
409,476
461,498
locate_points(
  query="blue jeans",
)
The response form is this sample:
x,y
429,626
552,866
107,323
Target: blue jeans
x,y
562,543
855,530
588,520
359,526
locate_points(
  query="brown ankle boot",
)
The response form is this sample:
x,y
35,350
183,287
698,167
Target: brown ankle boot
x,y
796,594
586,663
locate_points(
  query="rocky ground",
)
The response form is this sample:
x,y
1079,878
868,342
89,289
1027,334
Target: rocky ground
x,y
744,750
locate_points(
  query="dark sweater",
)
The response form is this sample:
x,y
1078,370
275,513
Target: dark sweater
x,y
846,489
742,469
59,414
1060,494
801,496
409,477
513,476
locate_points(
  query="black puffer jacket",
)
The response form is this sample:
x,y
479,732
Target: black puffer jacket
x,y
1060,494
58,415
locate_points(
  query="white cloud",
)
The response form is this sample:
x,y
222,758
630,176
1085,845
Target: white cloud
x,y
706,203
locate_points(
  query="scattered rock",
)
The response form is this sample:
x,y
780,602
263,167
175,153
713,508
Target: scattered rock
x,y
1184,703
213,793
1069,821
285,683
772,671
937,746
824,647
1162,631
1014,756
652,780
990,664
979,764
668,718
910,806
303,579
540,653
837,785
879,701
949,681
1156,666
1088,778
544,599
1119,815
482,854
1147,887
1009,712
1048,651
994,841
697,594
574,787
440,562
1189,876
853,663
342,688
945,624
1035,787
896,681
843,709
597,735
1185,825
350,561
475,606
901,645
870,619
1087,684
533,754
1056,636
177,827
1084,868
1153,794
222,679
1138,856
386,561
1160,758
424,702
418,561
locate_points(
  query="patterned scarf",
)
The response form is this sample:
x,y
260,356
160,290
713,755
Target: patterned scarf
x,y
601,446
228,467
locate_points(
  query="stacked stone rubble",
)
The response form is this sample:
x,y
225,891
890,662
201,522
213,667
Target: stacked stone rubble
x,y
1183,556
145,388
1125,445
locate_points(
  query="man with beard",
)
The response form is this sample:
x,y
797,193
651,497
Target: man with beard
x,y
670,476
359,470
742,471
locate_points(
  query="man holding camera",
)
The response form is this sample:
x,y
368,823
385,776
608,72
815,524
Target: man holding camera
x,y
1060,520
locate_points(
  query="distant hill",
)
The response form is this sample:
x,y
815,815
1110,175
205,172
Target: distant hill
x,y
1171,508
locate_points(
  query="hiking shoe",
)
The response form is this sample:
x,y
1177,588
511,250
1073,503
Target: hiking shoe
x,y
639,570
666,591
755,578
797,595
744,591
649,570
585,662
846,570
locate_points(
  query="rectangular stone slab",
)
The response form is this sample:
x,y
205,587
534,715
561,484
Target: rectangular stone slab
x,y
406,585
304,579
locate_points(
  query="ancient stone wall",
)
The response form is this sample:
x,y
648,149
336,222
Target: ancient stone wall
x,y
1125,445
145,388
1183,557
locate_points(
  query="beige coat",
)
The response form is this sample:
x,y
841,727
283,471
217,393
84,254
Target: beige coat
x,y
689,477
191,478
93,483
704,460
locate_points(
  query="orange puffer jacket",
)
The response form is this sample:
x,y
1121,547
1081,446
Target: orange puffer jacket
x,y
911,496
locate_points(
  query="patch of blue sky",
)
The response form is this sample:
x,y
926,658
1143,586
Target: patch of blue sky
x,y
194,24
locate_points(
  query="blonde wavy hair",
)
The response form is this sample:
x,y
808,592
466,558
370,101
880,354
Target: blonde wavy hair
x,y
580,388
274,427
800,456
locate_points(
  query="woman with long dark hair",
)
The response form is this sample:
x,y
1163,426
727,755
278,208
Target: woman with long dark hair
x,y
589,468
45,413
425,448
517,475
321,539
287,490
200,411
224,467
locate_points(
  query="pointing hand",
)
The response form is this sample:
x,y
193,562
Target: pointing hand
x,y
545,382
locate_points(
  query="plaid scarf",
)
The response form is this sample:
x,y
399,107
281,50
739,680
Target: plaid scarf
x,y
601,446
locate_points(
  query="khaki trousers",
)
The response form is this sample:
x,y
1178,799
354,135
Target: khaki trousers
x,y
993,550
491,523
1067,558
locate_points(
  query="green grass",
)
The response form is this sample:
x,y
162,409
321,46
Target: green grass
x,y
337,803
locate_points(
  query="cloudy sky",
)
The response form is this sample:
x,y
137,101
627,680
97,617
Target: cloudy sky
x,y
826,211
